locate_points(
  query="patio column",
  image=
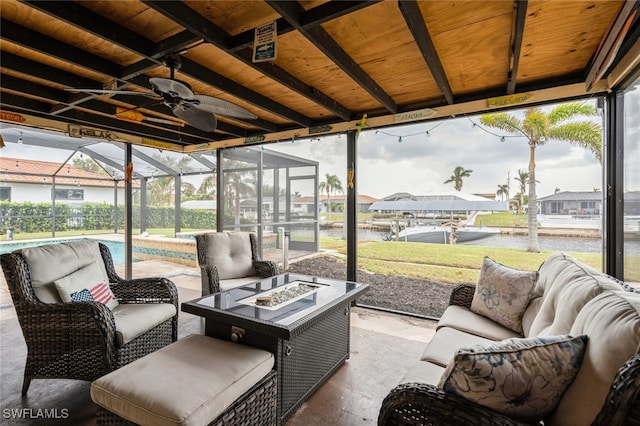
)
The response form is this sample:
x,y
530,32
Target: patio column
x,y
351,207
128,223
143,205
614,183
219,192
177,202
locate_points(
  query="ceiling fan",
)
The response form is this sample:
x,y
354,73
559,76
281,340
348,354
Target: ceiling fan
x,y
197,110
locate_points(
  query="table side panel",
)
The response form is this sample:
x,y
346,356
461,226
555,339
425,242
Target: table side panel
x,y
313,356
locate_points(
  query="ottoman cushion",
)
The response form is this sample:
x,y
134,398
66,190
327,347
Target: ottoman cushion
x,y
190,382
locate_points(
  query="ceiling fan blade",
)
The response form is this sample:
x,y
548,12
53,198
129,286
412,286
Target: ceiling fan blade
x,y
172,87
134,115
220,106
114,92
198,118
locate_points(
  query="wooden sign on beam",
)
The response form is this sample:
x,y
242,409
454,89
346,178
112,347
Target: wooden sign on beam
x,y
507,100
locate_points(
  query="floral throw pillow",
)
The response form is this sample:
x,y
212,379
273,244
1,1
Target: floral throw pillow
x,y
502,293
522,378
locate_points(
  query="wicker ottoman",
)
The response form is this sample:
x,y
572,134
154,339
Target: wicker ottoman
x,y
197,380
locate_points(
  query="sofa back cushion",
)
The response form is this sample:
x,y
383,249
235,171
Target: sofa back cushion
x,y
502,293
230,253
612,323
564,286
52,262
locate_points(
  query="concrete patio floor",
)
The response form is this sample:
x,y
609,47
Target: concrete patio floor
x,y
383,347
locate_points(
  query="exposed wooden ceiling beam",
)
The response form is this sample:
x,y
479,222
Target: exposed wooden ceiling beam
x,y
45,72
211,33
604,56
516,44
67,99
413,17
292,12
83,18
309,18
39,109
48,46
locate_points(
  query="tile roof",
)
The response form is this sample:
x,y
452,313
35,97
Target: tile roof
x,y
21,170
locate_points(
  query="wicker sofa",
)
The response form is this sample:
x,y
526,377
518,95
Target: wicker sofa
x,y
569,302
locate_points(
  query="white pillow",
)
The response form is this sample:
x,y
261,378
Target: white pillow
x,y
85,285
502,293
522,378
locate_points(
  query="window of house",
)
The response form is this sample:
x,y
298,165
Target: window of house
x,y
69,194
5,194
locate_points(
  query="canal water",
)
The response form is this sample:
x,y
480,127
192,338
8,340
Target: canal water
x,y
553,243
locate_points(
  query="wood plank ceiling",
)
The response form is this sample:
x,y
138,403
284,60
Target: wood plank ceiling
x,y
336,61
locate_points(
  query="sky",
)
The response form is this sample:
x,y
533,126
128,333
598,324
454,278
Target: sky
x,y
421,163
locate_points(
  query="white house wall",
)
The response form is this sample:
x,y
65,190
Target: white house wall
x,y
22,192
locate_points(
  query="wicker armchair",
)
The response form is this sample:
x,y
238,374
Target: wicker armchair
x,y
79,340
425,404
230,259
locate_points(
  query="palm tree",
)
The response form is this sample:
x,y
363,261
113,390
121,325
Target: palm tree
x,y
538,128
458,173
331,184
503,191
161,190
522,179
207,188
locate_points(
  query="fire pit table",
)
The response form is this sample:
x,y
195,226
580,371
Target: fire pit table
x,y
304,321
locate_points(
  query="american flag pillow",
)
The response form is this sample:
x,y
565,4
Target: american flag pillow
x,y
101,293
98,293
87,284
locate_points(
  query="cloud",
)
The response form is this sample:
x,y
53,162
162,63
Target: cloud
x,y
420,163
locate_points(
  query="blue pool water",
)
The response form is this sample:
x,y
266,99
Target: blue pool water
x,y
115,247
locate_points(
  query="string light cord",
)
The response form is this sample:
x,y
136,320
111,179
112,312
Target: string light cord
x,y
400,137
502,137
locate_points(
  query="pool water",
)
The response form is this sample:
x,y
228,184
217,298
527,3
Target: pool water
x,y
115,247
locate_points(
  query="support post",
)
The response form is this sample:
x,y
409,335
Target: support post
x,y
614,184
128,222
352,207
177,202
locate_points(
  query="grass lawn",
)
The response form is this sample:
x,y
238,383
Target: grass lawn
x,y
446,263
439,262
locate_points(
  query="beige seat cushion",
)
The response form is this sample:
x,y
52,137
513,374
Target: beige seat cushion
x,y
463,319
230,253
134,319
190,382
612,323
443,345
423,372
66,257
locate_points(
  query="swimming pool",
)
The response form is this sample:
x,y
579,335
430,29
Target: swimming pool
x,y
115,247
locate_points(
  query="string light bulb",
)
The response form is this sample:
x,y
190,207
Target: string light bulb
x,y
20,141
399,139
502,139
